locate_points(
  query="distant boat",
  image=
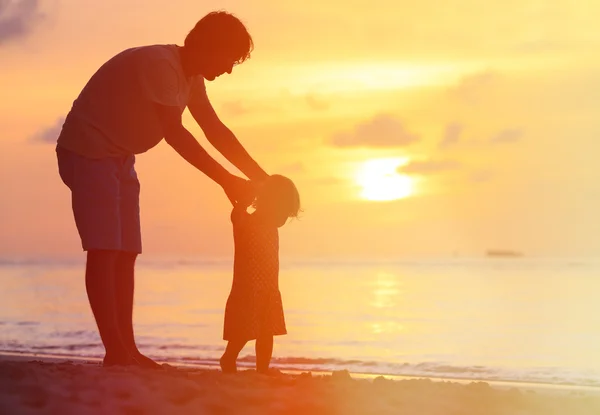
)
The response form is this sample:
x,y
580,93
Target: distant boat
x,y
502,253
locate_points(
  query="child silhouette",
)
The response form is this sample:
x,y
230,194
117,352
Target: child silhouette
x,y
254,309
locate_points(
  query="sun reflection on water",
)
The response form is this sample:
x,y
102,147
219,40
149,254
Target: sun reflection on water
x,y
386,290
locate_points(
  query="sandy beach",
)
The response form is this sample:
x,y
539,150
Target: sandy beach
x,y
30,385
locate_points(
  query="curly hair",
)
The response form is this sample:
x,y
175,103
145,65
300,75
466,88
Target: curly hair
x,y
225,29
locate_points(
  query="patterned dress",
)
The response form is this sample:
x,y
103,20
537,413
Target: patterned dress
x,y
254,306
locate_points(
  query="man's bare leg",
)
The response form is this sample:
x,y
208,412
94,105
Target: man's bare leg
x,y
100,287
124,294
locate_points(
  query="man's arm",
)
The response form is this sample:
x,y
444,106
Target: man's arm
x,y
222,138
178,137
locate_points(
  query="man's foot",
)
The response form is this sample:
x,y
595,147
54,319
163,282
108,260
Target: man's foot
x,y
118,360
227,365
146,362
270,372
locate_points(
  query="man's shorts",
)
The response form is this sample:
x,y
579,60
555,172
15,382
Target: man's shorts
x,y
105,196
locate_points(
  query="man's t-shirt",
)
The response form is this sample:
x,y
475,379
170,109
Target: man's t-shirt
x,y
115,115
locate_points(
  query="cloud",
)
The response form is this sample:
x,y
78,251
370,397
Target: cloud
x,y
329,181
383,131
316,103
49,134
235,108
17,18
507,136
239,108
292,168
481,176
451,135
472,89
539,46
429,167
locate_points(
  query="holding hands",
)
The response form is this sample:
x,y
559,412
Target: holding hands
x,y
240,191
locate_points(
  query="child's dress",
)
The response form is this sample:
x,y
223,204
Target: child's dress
x,y
254,306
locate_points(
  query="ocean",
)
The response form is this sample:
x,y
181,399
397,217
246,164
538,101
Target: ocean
x,y
491,319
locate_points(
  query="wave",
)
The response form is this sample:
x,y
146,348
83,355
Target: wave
x,y
204,355
327,263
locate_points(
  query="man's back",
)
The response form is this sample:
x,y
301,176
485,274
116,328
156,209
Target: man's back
x,y
114,114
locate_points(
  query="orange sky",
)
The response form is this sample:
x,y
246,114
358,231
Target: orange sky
x,y
489,111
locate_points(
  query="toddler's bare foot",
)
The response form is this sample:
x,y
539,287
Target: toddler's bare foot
x,y
270,372
227,365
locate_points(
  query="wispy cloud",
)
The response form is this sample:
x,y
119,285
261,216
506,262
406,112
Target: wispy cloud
x,y
539,46
474,88
383,131
292,168
453,138
481,176
17,18
49,134
509,135
235,108
316,103
451,135
424,167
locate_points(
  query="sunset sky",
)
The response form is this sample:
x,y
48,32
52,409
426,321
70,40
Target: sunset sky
x,y
479,120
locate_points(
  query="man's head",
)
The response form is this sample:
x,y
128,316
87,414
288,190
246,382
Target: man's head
x,y
217,43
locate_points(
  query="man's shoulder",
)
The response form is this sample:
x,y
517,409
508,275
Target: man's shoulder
x,y
161,49
157,52
159,62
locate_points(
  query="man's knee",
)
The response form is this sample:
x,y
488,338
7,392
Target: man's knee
x,y
101,257
126,260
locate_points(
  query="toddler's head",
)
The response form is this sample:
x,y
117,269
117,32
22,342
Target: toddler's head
x,y
277,200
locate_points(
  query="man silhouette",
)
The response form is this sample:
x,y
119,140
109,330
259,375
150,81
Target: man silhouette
x,y
127,107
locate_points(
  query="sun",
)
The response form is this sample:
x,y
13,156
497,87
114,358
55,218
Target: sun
x,y
380,180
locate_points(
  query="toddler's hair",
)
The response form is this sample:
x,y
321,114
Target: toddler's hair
x,y
281,191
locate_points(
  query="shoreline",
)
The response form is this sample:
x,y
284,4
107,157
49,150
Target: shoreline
x,y
500,384
34,384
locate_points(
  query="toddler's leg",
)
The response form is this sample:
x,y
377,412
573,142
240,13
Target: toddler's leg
x,y
228,360
264,351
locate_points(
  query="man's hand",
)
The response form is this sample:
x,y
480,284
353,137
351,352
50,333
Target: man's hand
x,y
239,191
